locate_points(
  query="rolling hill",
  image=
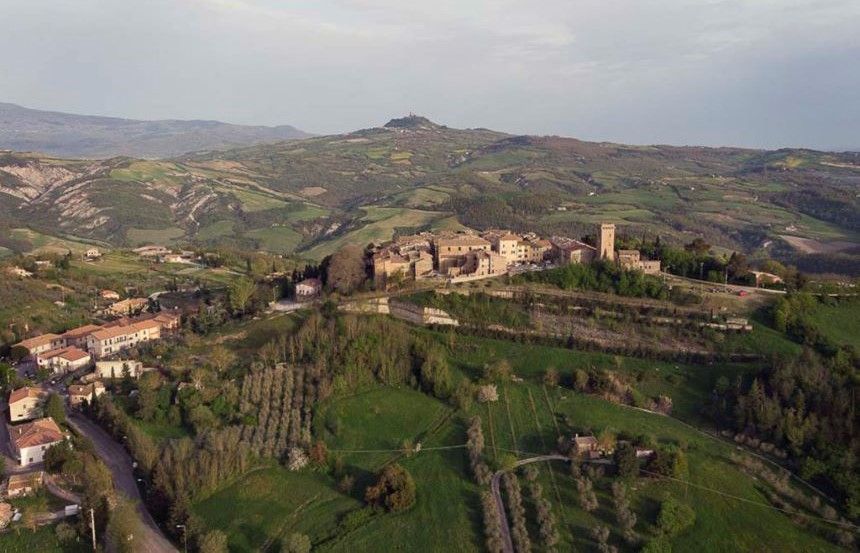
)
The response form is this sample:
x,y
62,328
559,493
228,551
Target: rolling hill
x,y
69,135
308,196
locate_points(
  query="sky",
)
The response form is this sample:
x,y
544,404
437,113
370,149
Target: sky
x,y
758,73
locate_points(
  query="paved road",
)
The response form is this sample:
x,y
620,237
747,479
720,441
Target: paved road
x,y
508,544
120,464
720,286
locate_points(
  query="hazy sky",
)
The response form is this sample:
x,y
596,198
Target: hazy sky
x,y
746,72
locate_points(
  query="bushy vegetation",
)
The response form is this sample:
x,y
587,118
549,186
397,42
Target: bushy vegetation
x,y
600,277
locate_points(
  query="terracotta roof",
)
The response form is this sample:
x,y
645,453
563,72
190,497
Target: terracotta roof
x,y
37,341
39,432
25,480
73,354
585,440
25,392
85,390
142,325
80,331
111,332
463,240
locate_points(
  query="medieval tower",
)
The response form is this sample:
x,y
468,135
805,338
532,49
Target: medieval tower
x,y
606,242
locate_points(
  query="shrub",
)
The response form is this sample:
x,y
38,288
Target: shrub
x,y
674,517
394,491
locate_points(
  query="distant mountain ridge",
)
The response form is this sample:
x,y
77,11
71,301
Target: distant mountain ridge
x,y
309,197
91,136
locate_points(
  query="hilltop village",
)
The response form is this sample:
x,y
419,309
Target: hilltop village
x,y
465,256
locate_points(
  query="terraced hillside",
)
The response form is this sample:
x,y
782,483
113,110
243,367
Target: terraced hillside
x,y
305,196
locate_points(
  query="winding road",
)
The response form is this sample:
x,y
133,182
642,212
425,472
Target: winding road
x,y
120,464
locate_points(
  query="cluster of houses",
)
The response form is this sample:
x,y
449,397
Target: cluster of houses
x,y
76,348
31,433
166,255
469,256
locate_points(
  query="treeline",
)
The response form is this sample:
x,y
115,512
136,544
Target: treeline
x,y
808,407
792,314
600,277
476,308
579,343
180,470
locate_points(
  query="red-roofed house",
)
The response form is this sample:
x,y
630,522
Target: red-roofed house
x,y
109,341
79,393
64,359
26,403
29,441
39,344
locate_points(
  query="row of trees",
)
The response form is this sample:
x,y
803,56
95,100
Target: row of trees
x,y
519,531
543,510
277,408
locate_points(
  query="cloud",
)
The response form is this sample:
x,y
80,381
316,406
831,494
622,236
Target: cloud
x,y
628,70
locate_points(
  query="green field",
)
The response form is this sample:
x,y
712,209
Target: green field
x,y
215,230
369,429
276,239
379,226
43,540
44,243
839,321
138,236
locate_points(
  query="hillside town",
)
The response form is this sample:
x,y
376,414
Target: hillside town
x,y
465,256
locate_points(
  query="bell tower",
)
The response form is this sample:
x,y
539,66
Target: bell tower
x,y
606,243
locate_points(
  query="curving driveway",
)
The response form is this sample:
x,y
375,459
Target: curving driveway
x,y
508,544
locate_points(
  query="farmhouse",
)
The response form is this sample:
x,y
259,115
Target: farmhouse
x,y
92,253
26,403
66,359
80,393
19,272
24,484
109,294
118,368
151,251
585,446
41,344
308,288
128,306
762,278
30,440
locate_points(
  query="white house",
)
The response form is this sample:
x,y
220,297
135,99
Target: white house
x,y
64,359
308,288
26,403
30,440
118,368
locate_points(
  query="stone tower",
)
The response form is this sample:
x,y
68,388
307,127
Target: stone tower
x,y
606,242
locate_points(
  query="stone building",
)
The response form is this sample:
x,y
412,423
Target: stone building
x,y
606,242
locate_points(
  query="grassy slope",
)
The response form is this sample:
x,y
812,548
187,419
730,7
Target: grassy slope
x,y
380,224
841,322
447,511
43,540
